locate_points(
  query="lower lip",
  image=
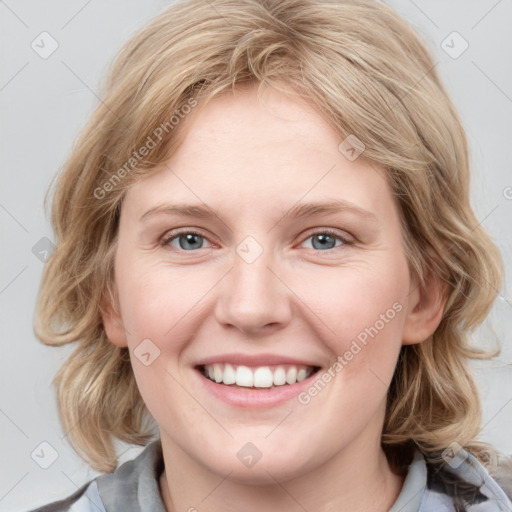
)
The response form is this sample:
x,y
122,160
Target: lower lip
x,y
253,397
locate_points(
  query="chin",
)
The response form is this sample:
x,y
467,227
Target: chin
x,y
265,471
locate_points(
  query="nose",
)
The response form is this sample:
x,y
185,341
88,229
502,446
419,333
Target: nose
x,y
253,297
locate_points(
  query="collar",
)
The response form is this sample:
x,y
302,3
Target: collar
x,y
415,484
133,486
464,481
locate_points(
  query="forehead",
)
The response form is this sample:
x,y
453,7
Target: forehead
x,y
245,150
253,122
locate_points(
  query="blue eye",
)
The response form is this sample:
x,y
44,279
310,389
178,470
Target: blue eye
x,y
325,240
190,240
187,240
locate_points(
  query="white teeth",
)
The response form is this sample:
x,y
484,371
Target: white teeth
x,y
229,374
301,374
279,376
263,378
291,375
217,372
244,376
260,377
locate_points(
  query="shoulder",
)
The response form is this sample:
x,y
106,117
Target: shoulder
x,y
86,499
120,491
503,474
460,482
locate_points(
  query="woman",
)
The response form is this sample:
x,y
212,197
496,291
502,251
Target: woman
x,y
266,249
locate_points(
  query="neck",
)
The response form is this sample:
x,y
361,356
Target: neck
x,y
357,479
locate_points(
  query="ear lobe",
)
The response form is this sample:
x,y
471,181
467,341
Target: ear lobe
x,y
425,310
112,320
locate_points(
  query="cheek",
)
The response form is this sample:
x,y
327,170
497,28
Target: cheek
x,y
164,306
362,313
365,318
157,300
355,299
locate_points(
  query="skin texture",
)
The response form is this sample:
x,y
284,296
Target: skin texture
x,y
252,160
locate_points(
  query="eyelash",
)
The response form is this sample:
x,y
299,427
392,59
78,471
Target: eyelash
x,y
326,231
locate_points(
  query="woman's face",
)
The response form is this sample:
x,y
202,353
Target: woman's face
x,y
267,287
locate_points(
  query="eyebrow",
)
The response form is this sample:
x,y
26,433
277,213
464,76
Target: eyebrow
x,y
298,211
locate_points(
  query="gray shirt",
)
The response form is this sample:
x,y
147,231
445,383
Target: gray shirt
x,y
463,484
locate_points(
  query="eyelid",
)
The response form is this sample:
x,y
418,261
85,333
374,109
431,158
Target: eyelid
x,y
346,238
175,233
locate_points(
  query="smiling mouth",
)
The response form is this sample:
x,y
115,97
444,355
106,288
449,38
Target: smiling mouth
x,y
260,377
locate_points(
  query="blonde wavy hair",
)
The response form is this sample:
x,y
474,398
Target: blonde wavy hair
x,y
369,74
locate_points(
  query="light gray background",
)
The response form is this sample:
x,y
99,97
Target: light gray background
x,y
44,104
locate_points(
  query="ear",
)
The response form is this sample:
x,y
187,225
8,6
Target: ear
x,y
425,310
111,318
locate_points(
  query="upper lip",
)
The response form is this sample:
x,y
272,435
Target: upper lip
x,y
254,360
